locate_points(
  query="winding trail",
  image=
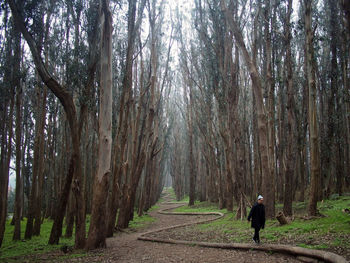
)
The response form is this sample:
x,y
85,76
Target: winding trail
x,y
131,246
305,253
126,247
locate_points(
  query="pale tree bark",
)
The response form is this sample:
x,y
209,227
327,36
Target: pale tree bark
x,y
313,128
97,230
240,167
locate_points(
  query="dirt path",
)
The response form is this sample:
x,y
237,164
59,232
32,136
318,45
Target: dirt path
x,y
125,247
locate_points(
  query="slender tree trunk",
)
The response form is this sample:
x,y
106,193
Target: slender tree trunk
x,y
269,181
70,216
313,128
303,134
40,163
192,193
346,8
17,82
6,151
290,153
32,201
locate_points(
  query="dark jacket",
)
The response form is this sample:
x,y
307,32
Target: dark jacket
x,y
257,214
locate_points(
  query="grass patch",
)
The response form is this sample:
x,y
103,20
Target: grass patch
x,y
37,245
15,251
155,207
140,221
200,207
171,193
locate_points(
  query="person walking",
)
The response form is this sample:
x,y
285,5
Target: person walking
x,y
257,214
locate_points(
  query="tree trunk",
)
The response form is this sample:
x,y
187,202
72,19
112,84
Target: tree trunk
x,y
290,149
70,217
97,230
346,8
6,151
17,82
40,163
269,180
313,128
192,193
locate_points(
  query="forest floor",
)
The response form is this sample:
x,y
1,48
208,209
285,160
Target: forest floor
x,y
328,232
125,247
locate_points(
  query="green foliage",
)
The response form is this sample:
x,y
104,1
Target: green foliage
x,y
37,245
14,251
185,199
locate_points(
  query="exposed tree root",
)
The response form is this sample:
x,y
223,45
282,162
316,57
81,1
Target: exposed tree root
x,y
296,251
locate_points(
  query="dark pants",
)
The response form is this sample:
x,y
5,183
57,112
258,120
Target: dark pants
x,y
256,234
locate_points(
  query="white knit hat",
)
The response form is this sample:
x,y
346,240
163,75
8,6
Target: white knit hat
x,y
260,197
